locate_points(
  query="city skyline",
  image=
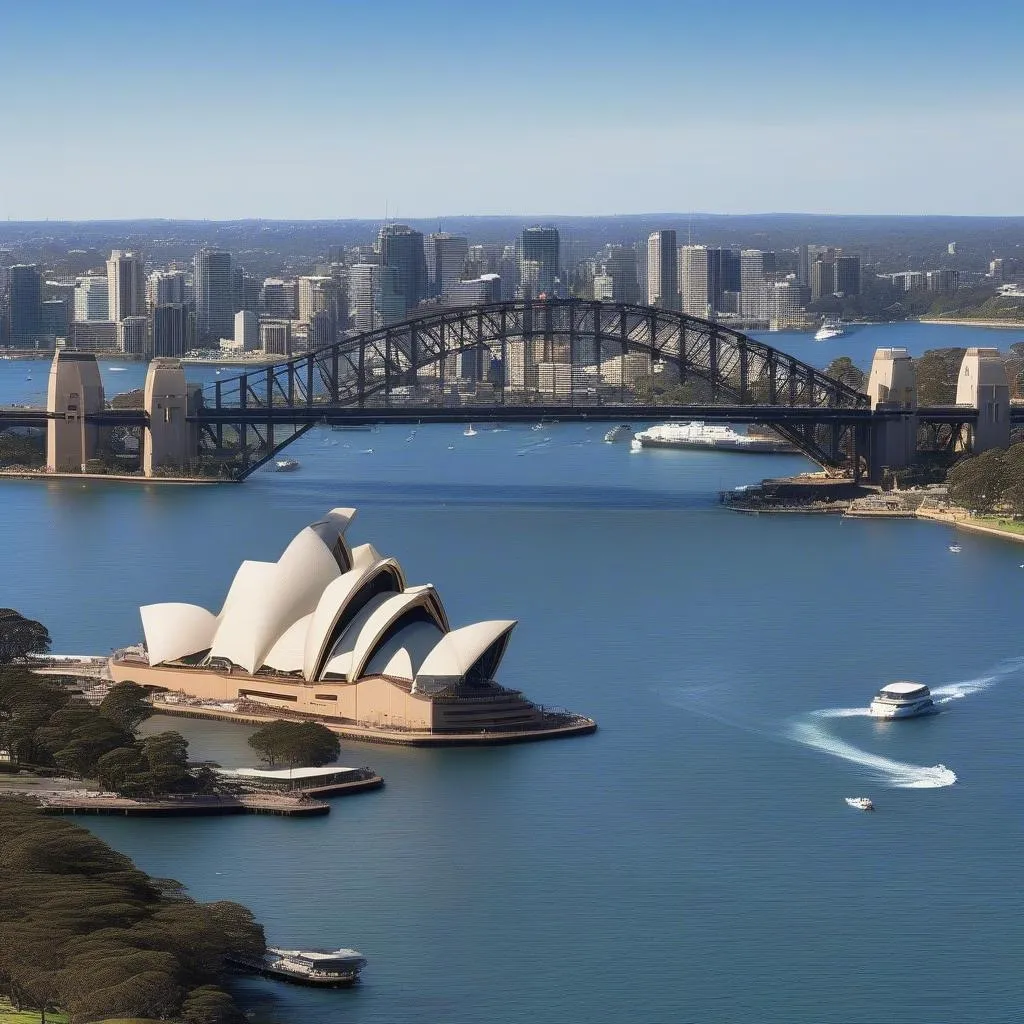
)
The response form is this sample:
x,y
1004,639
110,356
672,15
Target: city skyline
x,y
820,111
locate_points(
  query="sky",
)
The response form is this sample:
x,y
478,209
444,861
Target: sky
x,y
221,109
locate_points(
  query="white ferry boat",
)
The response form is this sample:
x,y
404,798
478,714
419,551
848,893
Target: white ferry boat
x,y
623,432
715,436
285,466
830,328
902,700
321,967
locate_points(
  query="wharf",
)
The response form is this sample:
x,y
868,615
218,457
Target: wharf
x,y
248,803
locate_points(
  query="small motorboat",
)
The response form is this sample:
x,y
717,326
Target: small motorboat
x,y
955,548
860,803
285,466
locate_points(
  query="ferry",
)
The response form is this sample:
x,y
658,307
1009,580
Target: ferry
x,y
718,437
623,432
830,328
325,968
902,700
285,466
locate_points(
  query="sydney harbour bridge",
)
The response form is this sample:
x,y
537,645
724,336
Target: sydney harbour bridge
x,y
523,361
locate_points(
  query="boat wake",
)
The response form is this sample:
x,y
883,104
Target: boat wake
x,y
967,687
898,774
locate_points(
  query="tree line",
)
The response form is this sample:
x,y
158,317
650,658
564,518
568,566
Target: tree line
x,y
84,931
990,482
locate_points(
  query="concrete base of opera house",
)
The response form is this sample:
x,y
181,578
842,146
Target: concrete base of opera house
x,y
374,709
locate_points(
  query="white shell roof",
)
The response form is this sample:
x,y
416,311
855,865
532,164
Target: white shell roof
x,y
334,601
341,657
384,616
287,653
174,631
456,651
401,656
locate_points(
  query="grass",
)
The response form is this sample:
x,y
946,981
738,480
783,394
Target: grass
x,y
9,1015
1001,523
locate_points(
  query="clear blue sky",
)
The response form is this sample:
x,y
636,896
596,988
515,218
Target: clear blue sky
x,y
337,108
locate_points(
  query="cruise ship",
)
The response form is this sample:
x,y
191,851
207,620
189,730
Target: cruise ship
x,y
829,329
700,435
902,700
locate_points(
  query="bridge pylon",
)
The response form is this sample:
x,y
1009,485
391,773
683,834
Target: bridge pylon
x,y
983,384
892,388
74,392
169,440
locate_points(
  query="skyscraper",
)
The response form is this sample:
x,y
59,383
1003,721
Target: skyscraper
x,y
170,329
620,266
166,288
211,284
539,245
126,288
823,279
24,292
757,268
446,259
663,270
401,249
848,275
133,335
693,280
92,299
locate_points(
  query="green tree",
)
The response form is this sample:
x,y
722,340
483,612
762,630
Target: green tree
x,y
844,370
20,637
978,483
209,1004
126,705
296,744
937,372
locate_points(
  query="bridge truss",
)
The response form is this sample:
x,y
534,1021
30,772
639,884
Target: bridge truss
x,y
571,359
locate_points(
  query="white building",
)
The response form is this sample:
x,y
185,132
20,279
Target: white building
x,y
92,299
126,287
663,270
247,331
694,280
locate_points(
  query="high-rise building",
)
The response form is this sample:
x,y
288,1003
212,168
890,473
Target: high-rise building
x,y
847,275
126,287
277,298
53,321
401,249
479,291
321,330
620,265
92,299
247,330
539,245
823,279
663,270
133,335
93,336
693,280
24,304
166,288
318,295
276,337
942,280
446,259
170,329
212,288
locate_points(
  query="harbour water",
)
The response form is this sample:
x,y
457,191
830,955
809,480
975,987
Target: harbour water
x,y
692,861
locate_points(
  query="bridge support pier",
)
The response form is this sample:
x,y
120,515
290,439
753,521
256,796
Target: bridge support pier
x,y
982,384
74,391
169,441
892,388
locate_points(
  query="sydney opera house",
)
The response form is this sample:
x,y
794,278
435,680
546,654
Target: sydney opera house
x,y
335,633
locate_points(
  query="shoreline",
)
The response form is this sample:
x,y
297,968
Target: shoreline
x,y
118,478
997,324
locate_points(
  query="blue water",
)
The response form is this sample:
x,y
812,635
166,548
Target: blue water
x,y
692,861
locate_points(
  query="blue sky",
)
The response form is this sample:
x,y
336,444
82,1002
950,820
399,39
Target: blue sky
x,y
223,109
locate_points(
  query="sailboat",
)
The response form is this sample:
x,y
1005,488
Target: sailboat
x,y
469,431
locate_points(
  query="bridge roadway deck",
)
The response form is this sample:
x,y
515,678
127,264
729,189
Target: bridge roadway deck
x,y
341,415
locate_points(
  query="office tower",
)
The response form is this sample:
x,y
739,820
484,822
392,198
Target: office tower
x,y
211,284
92,299
247,330
133,335
277,299
693,280
93,336
24,303
508,271
321,330
784,303
53,322
823,279
909,280
478,292
170,330
539,245
318,295
362,280
942,280
620,265
401,249
276,337
757,268
723,276
126,289
249,295
166,288
388,302
847,275
663,270
446,257
603,287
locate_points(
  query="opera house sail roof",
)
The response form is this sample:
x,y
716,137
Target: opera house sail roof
x,y
337,632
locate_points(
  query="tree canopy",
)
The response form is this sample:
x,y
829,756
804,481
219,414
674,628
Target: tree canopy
x,y
991,481
85,931
295,744
844,370
20,637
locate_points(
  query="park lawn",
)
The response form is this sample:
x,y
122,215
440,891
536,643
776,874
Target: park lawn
x,y
1001,523
9,1015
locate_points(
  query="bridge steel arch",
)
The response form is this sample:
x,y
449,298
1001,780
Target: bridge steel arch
x,y
520,360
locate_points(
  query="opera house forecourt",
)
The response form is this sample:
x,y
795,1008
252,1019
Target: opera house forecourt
x,y
335,633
